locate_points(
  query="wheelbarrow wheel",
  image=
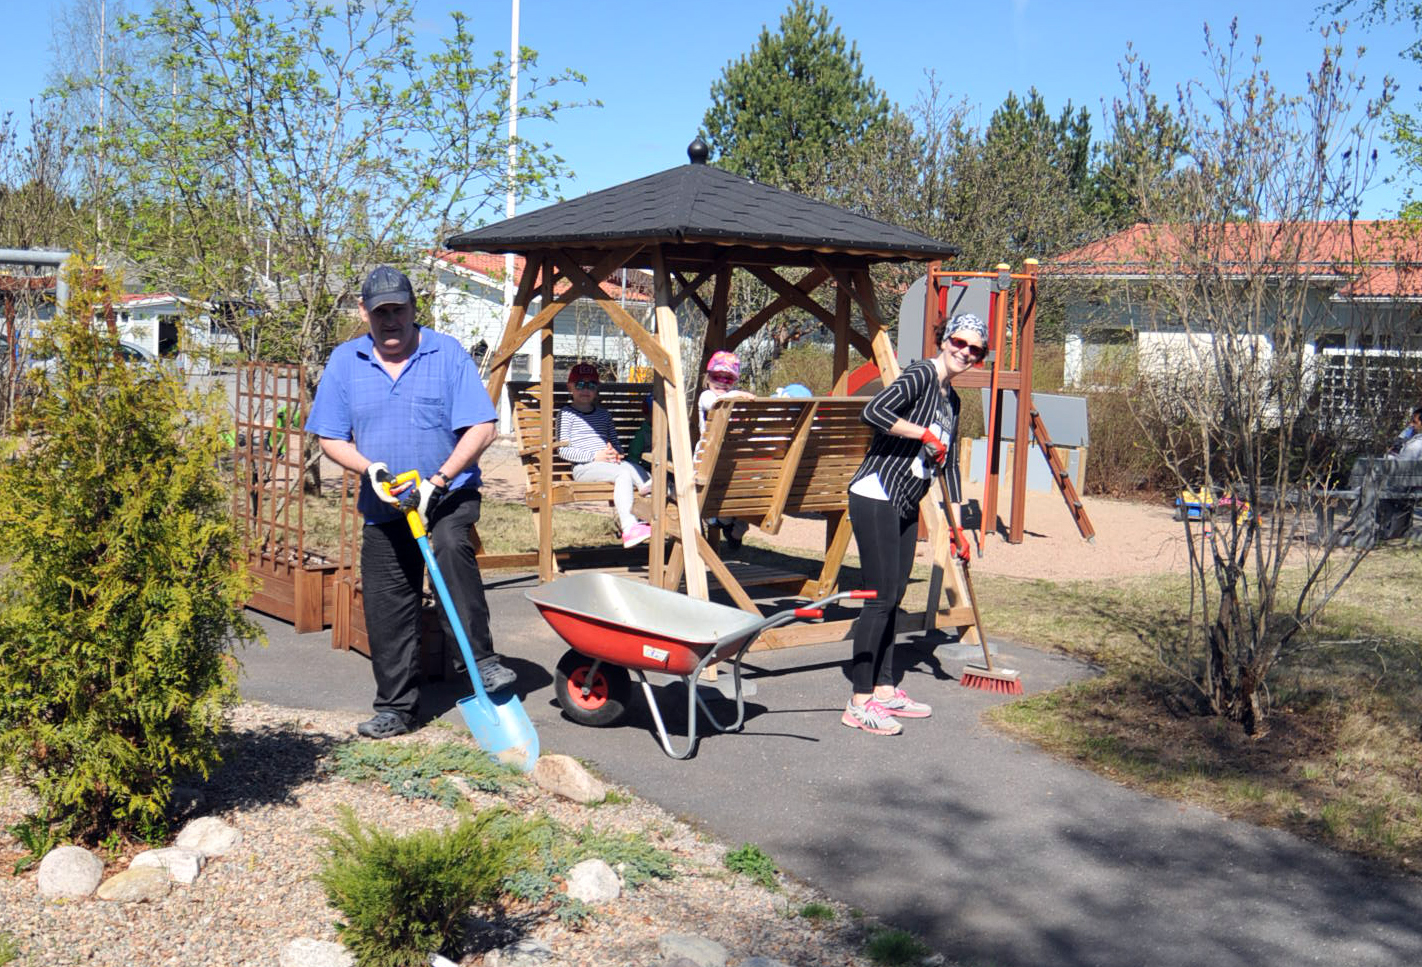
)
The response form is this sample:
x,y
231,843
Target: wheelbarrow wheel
x,y
607,690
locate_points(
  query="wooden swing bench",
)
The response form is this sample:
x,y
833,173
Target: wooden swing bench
x,y
750,495
622,400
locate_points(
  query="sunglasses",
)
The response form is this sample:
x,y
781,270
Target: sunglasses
x,y
977,352
585,384
721,378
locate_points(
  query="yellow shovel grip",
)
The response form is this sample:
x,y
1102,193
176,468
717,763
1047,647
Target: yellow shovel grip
x,y
412,515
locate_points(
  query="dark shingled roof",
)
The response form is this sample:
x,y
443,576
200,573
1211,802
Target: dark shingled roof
x,y
699,211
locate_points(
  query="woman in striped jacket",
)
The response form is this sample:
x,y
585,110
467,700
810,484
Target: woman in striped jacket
x,y
916,422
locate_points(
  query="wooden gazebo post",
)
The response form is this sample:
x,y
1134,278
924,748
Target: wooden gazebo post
x,y
678,431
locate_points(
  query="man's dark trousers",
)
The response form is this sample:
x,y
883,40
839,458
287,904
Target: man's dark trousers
x,y
392,577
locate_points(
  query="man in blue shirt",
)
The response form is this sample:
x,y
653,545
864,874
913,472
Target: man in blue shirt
x,y
399,398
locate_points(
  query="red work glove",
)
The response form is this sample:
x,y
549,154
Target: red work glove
x,y
959,542
937,447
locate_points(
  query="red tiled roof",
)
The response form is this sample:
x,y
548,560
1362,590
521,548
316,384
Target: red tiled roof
x,y
1373,259
639,283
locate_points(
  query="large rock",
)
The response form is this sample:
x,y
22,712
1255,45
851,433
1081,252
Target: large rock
x,y
524,953
209,835
564,776
182,864
305,952
69,871
593,881
136,885
698,950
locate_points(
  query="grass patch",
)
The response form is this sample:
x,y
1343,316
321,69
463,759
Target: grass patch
x,y
895,948
613,798
505,526
1337,763
817,912
753,862
9,948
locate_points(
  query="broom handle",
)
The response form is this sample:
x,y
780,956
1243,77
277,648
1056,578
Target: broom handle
x,y
957,531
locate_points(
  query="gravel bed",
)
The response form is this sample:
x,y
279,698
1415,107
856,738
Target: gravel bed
x,y
276,789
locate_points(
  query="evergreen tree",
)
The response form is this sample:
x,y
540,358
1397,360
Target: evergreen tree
x,y
781,113
121,584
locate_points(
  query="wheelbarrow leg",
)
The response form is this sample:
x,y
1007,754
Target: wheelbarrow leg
x,y
662,735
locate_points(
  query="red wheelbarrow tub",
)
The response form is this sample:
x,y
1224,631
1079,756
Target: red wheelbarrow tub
x,y
636,625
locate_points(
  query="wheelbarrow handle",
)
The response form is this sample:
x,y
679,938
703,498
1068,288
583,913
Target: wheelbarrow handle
x,y
815,609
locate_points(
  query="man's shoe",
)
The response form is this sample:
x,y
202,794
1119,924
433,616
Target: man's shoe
x,y
385,725
494,674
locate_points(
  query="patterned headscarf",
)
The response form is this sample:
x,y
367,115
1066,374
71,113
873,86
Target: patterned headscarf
x,y
967,322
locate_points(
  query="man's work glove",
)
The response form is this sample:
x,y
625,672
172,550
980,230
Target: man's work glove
x,y
936,447
380,481
427,497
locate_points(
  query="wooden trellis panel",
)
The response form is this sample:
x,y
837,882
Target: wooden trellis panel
x,y
268,500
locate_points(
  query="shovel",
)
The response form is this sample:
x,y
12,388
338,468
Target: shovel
x,y
499,723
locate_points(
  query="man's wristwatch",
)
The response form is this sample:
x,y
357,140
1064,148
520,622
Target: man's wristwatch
x,y
441,476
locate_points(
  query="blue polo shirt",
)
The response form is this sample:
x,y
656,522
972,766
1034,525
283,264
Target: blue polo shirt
x,y
409,423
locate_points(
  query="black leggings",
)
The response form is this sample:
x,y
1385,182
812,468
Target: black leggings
x,y
886,544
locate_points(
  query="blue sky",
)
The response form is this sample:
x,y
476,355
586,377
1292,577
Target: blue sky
x,y
652,62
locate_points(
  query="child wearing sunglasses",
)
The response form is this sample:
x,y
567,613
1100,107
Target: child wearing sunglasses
x,y
915,419
591,445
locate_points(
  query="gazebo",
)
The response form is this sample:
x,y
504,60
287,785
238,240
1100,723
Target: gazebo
x,y
692,226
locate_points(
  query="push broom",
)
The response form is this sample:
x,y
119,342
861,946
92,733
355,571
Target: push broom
x,y
985,677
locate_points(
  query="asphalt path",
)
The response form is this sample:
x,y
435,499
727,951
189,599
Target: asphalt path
x,y
993,852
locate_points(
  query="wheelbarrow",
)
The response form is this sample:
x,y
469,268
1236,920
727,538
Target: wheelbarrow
x,y
619,628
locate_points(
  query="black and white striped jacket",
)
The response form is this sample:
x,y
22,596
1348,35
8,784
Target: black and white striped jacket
x,y
903,470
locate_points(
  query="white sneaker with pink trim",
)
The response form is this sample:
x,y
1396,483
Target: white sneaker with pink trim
x,y
871,717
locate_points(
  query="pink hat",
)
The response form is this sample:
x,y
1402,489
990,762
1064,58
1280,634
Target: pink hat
x,y
724,362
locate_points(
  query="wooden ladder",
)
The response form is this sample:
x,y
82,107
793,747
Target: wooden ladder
x,y
1063,479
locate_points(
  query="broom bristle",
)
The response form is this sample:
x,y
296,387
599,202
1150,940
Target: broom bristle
x,y
1003,681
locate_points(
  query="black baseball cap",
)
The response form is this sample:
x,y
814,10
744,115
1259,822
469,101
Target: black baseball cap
x,y
385,286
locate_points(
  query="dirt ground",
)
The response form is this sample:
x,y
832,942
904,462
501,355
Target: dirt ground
x,y
1131,538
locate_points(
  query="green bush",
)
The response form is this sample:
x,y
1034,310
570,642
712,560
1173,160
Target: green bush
x,y
120,585
405,897
752,861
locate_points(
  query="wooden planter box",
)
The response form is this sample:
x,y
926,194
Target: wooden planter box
x,y
304,595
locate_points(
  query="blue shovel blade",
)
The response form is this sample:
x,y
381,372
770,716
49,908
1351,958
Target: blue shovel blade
x,y
502,728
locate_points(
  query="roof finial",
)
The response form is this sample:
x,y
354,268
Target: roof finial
x,y
697,151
